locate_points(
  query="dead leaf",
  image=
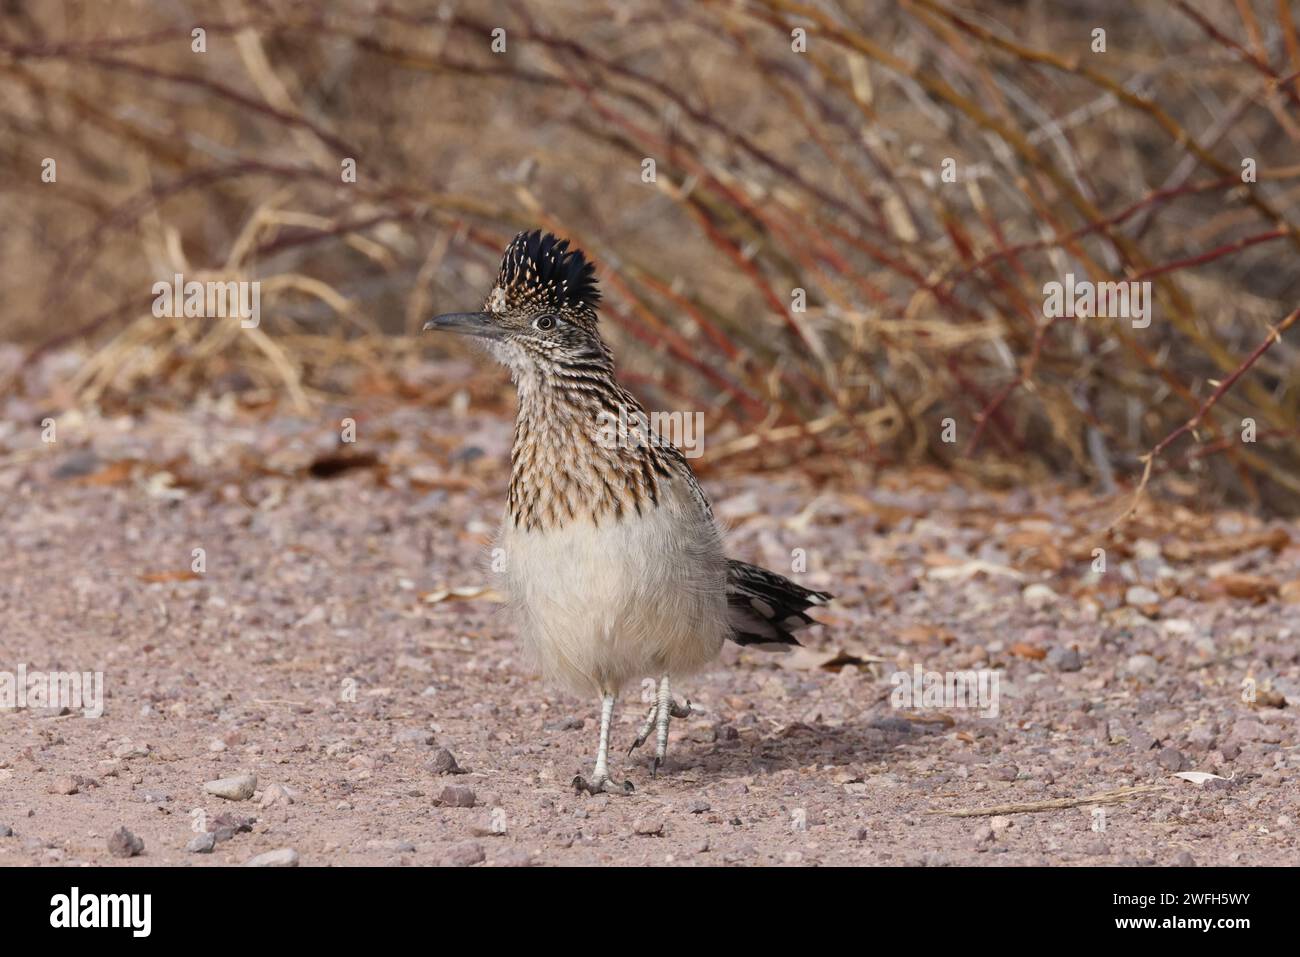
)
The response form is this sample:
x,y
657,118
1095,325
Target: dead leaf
x,y
1022,650
1253,587
923,635
1186,551
463,593
811,659
336,463
1200,777
1268,698
112,474
174,575
938,717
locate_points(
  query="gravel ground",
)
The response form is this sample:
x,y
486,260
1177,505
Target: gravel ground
x,y
387,721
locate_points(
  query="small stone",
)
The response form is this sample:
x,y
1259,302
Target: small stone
x,y
1097,848
1065,659
699,807
1000,823
391,846
281,857
1171,759
76,465
6,830
1140,595
1184,859
65,784
1142,740
513,857
464,854
648,827
122,843
984,835
443,762
238,788
1038,595
413,737
278,794
567,723
1141,666
457,796
892,723
1245,729
226,826
202,843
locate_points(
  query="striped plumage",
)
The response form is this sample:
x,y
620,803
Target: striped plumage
x,y
614,561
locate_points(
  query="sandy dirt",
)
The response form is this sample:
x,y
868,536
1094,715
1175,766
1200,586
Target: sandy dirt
x,y
319,652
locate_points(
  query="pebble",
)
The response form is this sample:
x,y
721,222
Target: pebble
x,y
281,857
1038,595
568,723
65,784
76,464
238,788
1171,759
457,796
1184,859
1141,595
513,857
1000,823
6,830
1142,666
202,843
392,846
122,843
464,854
226,826
648,827
892,723
1065,659
278,794
413,736
443,762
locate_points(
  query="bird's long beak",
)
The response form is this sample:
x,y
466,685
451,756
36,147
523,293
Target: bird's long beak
x,y
479,324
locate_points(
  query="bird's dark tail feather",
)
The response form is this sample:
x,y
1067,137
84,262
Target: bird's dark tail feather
x,y
766,608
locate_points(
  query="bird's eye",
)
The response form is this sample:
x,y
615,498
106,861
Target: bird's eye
x,y
544,323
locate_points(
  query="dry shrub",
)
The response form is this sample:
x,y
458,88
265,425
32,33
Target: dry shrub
x,y
775,171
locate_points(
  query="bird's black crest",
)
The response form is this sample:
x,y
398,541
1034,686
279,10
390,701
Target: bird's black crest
x,y
541,266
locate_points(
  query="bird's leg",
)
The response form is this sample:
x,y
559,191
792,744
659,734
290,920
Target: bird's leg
x,y
663,710
600,779
668,709
646,728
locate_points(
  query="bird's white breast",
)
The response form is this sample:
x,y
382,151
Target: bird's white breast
x,y
599,605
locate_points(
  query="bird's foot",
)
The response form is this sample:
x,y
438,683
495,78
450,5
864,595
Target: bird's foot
x,y
658,721
601,784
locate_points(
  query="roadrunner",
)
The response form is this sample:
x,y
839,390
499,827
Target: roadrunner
x,y
614,563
